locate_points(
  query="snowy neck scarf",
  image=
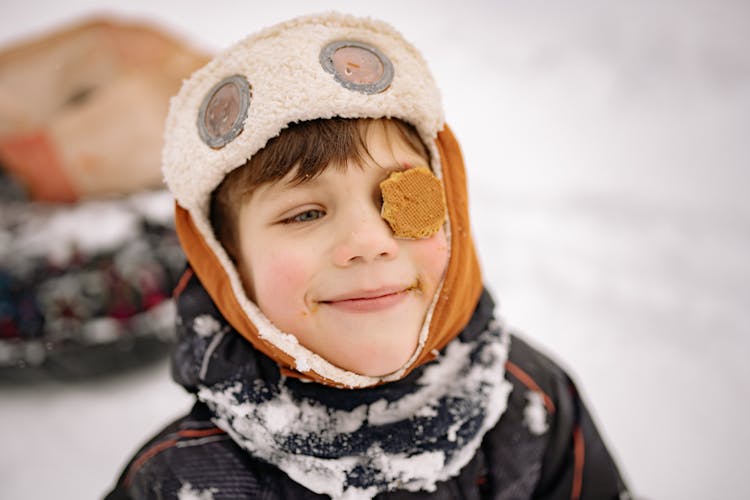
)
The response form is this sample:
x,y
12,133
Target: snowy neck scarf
x,y
356,443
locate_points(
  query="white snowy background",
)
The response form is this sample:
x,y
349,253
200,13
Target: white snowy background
x,y
608,158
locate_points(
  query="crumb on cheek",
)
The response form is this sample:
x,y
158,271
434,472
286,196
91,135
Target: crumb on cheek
x,y
413,203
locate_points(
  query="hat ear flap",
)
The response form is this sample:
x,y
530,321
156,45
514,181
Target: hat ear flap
x,y
462,285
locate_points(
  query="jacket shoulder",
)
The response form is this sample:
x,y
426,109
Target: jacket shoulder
x,y
189,458
546,445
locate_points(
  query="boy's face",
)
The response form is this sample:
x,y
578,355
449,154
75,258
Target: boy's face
x,y
322,264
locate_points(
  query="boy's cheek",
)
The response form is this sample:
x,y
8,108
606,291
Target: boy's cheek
x,y
432,253
279,280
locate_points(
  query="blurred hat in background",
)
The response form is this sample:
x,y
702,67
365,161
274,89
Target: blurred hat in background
x,y
82,109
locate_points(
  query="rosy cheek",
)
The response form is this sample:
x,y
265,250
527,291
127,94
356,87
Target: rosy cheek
x,y
433,255
280,284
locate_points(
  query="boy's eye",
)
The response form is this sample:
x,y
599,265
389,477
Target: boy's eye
x,y
305,216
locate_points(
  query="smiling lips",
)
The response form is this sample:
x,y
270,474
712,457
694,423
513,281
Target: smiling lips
x,y
371,300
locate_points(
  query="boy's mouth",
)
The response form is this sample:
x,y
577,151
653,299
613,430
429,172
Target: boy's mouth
x,y
371,300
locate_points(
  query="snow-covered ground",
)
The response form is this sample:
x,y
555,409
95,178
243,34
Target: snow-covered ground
x,y
608,160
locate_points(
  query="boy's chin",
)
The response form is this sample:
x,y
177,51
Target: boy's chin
x,y
376,361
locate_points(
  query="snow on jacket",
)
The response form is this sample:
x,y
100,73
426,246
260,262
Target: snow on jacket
x,y
544,445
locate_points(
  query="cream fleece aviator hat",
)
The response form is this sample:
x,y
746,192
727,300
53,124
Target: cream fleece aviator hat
x,y
312,67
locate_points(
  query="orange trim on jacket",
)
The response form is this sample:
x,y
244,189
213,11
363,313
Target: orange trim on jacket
x,y
166,444
529,382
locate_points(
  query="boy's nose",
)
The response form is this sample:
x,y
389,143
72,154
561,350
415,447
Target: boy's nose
x,y
365,237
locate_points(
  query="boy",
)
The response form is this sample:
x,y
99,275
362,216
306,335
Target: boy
x,y
333,324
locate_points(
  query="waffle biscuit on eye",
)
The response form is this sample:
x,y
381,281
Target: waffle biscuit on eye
x,y
413,203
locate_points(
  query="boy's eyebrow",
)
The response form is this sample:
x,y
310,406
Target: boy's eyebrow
x,y
301,180
311,179
394,165
400,167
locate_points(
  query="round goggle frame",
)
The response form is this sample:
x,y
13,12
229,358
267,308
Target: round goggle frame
x,y
357,66
222,114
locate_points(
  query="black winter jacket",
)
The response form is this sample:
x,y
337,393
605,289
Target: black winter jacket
x,y
568,461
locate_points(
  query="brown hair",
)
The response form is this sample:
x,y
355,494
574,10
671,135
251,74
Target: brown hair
x,y
309,147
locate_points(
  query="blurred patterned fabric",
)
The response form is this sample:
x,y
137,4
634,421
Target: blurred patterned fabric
x,y
88,253
85,288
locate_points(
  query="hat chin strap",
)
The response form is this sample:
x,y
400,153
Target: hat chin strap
x,y
453,307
